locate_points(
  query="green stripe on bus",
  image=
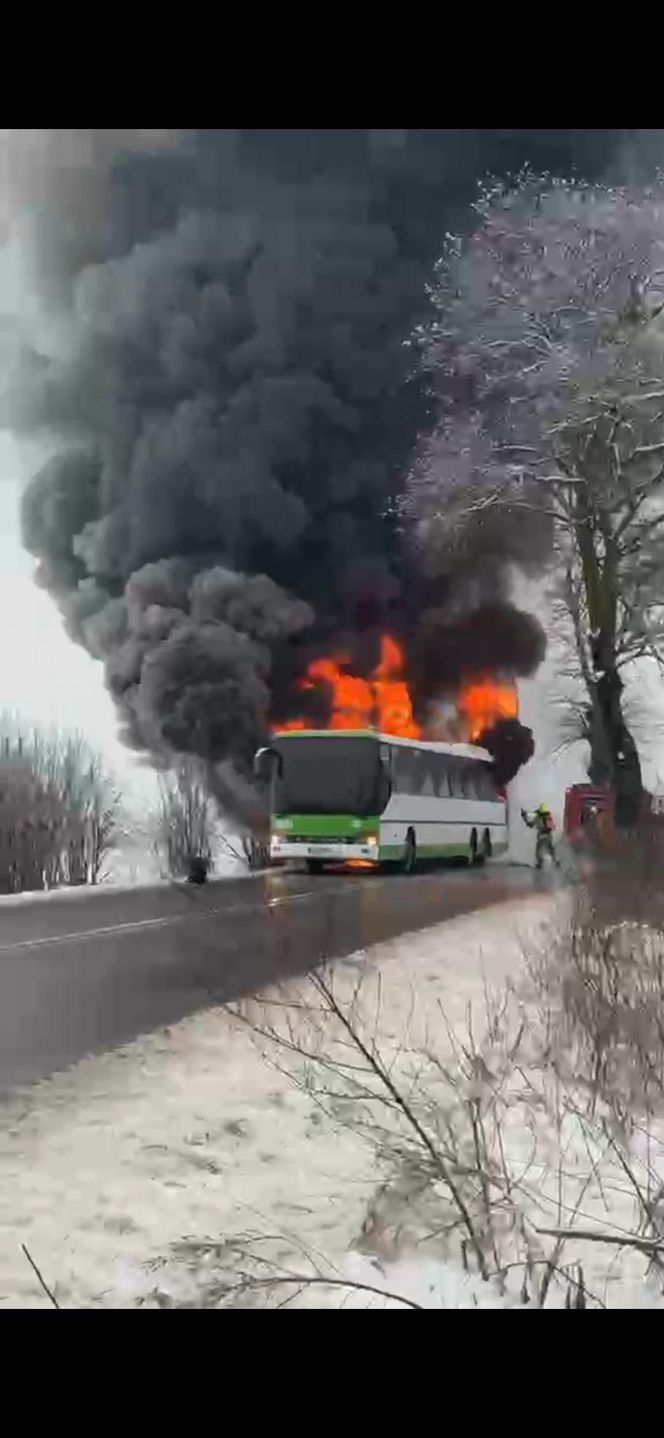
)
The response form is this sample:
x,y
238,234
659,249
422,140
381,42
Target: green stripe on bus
x,y
388,852
424,851
329,826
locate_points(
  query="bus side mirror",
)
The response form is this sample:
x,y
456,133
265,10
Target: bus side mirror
x,y
267,762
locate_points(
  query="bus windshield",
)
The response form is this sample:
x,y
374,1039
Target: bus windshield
x,y
327,775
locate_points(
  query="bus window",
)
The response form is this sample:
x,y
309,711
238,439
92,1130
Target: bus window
x,y
417,771
387,767
442,776
413,771
469,779
428,779
486,788
456,778
403,770
322,774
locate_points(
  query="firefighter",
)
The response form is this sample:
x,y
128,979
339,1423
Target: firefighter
x,y
542,823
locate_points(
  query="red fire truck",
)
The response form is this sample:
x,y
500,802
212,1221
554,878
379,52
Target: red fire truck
x,y
589,813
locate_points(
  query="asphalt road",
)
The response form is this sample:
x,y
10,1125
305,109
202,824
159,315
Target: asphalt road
x,y
85,971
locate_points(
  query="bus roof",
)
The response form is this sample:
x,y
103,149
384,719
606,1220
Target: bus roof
x,y
462,751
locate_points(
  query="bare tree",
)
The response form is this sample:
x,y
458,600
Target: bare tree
x,y
547,360
249,842
190,824
30,821
185,820
71,768
58,809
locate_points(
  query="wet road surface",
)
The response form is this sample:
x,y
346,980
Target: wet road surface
x,y
85,971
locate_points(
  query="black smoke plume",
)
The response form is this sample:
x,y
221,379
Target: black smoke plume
x,y
495,638
229,386
510,745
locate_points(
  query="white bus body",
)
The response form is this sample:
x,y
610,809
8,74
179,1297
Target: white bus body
x,y
437,800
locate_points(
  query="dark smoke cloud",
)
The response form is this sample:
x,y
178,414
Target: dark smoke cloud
x,y
510,745
494,638
234,401
59,179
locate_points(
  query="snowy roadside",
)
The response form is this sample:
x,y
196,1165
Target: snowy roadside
x,y
206,1155
190,1133
86,893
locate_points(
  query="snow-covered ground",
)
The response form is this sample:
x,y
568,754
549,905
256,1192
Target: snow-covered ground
x,y
205,1133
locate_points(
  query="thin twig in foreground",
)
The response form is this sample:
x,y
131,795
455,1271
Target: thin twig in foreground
x,y
51,1296
630,1240
401,1102
282,1280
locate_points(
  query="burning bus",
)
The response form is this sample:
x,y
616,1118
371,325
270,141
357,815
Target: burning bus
x,y
365,798
370,788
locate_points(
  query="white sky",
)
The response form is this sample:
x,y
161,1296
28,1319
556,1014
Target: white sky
x,y
44,676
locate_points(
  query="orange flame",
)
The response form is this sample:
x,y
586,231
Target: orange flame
x,y
481,701
380,702
383,701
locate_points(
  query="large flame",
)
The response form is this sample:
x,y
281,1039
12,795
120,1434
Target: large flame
x,y
383,702
380,702
481,701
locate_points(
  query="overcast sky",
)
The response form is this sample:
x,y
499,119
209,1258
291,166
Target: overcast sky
x,y
43,676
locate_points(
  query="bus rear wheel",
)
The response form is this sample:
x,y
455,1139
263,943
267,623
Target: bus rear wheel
x,y
410,853
314,866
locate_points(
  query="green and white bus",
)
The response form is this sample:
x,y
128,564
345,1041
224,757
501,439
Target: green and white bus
x,y
339,796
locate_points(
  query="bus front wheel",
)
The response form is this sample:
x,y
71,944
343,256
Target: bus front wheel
x,y
410,853
314,866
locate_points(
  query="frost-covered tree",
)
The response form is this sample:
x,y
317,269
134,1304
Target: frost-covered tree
x,y
548,362
185,821
69,767
59,809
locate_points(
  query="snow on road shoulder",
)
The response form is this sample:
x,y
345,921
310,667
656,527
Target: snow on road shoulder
x,y
189,1132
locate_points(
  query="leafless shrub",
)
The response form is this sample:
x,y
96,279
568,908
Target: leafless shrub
x,y
245,1270
58,810
185,820
189,829
71,769
461,1137
30,823
604,973
247,848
